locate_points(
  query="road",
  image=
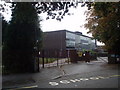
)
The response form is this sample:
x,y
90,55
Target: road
x,y
97,74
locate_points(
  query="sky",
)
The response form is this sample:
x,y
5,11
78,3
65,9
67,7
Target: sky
x,y
74,22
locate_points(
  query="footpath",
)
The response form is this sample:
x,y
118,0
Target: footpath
x,y
67,76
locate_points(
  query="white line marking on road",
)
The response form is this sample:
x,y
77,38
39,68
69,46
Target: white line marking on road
x,y
100,77
73,80
81,79
53,83
64,81
77,80
84,79
94,78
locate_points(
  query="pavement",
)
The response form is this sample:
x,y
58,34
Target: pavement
x,y
96,74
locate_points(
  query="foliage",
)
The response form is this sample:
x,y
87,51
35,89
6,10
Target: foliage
x,y
4,29
23,34
54,10
104,24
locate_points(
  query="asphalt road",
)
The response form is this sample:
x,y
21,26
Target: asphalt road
x,y
98,74
85,80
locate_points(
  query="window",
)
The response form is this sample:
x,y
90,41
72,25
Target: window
x,y
70,43
70,36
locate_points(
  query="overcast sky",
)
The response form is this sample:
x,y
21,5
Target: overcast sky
x,y
69,22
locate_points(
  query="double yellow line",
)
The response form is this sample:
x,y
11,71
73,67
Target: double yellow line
x,y
27,87
115,76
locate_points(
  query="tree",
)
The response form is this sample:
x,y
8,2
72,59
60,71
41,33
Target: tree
x,y
19,46
4,29
104,23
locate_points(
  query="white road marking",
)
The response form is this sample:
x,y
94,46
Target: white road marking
x,y
84,79
94,78
53,83
81,79
64,81
77,80
73,80
101,77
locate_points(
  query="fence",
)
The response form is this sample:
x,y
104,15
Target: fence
x,y
53,57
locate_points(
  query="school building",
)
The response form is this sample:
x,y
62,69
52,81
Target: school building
x,y
64,40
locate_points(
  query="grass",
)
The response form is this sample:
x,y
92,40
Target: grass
x,y
47,60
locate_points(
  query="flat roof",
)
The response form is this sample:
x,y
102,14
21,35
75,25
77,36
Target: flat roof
x,y
76,32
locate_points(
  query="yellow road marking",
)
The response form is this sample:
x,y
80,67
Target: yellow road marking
x,y
115,76
108,76
24,87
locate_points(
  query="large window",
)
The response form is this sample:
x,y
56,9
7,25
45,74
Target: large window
x,y
70,43
79,41
70,36
70,40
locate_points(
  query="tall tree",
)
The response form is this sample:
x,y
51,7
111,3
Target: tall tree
x,y
4,29
19,46
104,23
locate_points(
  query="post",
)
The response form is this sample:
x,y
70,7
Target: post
x,y
56,55
57,61
68,56
43,58
39,60
38,69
